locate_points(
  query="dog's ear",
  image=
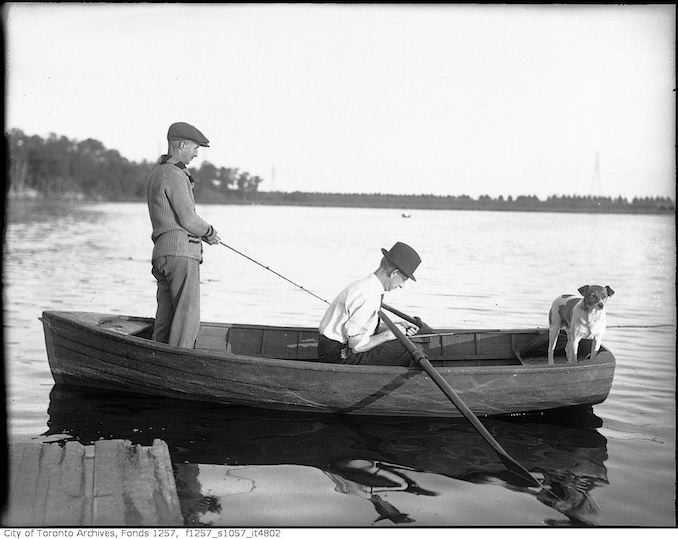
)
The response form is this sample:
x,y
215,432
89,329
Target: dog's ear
x,y
583,290
609,291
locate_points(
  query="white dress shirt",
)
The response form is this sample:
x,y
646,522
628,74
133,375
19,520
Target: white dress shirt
x,y
354,312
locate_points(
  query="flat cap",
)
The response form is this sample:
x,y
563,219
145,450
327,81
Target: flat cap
x,y
184,131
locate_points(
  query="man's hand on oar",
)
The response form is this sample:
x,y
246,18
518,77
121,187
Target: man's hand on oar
x,y
422,327
407,328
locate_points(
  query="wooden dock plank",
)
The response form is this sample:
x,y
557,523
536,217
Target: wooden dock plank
x,y
48,471
165,494
108,508
139,483
20,503
112,483
88,475
107,511
72,477
16,453
65,495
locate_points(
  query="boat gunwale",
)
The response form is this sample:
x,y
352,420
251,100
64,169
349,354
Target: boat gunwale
x,y
307,365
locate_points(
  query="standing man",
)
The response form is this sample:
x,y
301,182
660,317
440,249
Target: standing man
x,y
177,236
349,330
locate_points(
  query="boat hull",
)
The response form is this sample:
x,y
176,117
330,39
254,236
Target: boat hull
x,y
82,353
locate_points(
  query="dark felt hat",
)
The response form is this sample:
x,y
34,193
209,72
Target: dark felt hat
x,y
184,131
403,257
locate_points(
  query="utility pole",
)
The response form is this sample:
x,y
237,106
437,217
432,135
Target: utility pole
x,y
595,182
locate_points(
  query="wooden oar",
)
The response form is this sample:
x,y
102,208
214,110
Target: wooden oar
x,y
420,357
402,315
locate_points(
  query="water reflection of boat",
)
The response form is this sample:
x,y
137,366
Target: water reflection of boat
x,y
369,478
367,455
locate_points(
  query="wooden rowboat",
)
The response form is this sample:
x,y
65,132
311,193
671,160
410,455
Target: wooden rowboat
x,y
495,372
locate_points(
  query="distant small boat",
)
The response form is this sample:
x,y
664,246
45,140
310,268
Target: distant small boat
x,y
495,372
406,215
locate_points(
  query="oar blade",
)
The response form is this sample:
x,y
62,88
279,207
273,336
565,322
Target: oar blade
x,y
528,480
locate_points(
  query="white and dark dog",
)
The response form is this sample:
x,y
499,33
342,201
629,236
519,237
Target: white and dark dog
x,y
581,318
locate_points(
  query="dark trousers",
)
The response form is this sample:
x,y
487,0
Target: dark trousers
x,y
388,353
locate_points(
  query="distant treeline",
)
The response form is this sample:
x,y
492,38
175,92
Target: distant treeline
x,y
464,202
58,167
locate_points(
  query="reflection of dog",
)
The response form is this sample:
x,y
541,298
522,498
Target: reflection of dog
x,y
580,318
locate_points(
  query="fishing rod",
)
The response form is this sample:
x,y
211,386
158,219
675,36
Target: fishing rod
x,y
274,272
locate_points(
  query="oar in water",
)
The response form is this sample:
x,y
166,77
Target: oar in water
x,y
420,357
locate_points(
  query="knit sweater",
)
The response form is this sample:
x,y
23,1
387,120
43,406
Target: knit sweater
x,y
177,229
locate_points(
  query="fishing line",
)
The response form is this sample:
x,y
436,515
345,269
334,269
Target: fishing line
x,y
325,301
644,327
274,272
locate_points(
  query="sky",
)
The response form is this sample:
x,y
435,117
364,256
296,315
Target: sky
x,y
408,99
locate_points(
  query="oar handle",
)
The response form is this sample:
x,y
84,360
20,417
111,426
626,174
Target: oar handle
x,y
421,358
402,315
423,326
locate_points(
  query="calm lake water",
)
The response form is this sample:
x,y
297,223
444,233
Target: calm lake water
x,y
611,466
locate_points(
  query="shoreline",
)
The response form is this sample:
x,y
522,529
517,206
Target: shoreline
x,y
333,200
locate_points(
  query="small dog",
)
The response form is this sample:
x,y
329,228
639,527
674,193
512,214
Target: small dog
x,y
580,318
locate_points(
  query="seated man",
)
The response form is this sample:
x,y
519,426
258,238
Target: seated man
x,y
349,330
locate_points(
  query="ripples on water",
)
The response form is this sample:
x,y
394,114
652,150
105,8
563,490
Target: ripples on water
x,y
612,466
